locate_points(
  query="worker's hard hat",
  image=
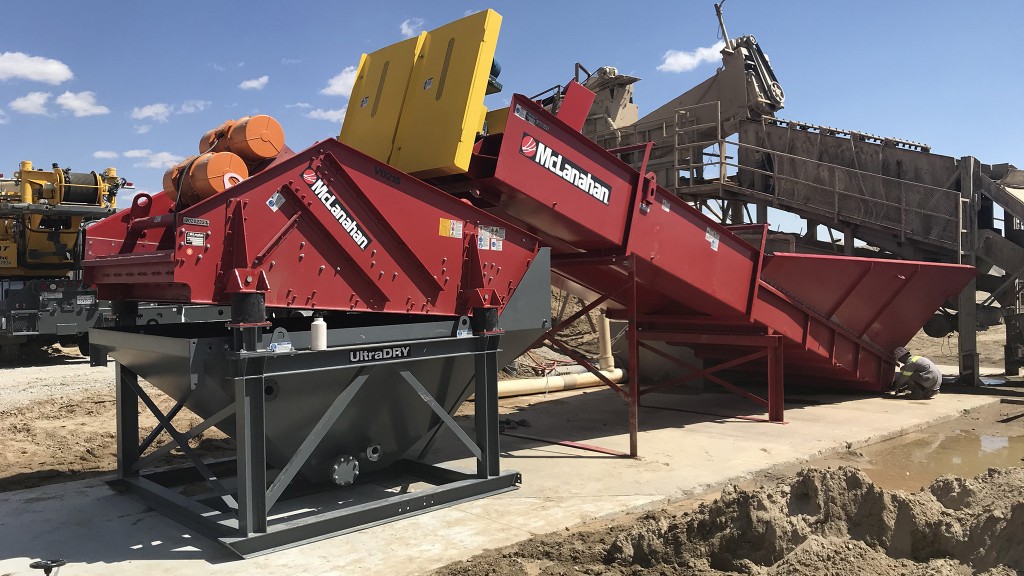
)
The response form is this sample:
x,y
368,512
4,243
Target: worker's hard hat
x,y
900,352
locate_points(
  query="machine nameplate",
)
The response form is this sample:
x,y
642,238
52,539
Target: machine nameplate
x,y
388,175
374,354
530,117
195,239
195,221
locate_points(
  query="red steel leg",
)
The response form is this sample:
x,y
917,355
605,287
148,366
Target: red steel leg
x,y
634,365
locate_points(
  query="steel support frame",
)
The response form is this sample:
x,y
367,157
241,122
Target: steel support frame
x,y
763,345
967,343
629,393
241,519
766,345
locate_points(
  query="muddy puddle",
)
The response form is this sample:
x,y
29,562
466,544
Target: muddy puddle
x,y
913,461
992,439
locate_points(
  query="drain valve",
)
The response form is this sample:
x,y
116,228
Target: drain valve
x,y
374,452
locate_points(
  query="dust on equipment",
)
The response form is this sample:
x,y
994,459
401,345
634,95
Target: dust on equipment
x,y
426,244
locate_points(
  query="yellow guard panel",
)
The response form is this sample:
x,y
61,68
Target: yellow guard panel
x,y
496,120
377,97
444,104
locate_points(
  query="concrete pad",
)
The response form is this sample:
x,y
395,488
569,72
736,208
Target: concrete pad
x,y
687,444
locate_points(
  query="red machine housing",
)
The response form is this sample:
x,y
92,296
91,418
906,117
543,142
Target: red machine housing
x,y
694,281
333,229
328,229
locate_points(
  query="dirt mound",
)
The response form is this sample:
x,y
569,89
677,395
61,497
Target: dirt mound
x,y
822,521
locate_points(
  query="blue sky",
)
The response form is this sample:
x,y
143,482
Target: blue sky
x,y
135,84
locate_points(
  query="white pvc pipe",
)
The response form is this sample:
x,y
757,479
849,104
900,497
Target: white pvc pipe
x,y
581,378
605,360
524,386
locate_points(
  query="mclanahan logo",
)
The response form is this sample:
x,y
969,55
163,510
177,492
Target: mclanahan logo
x,y
337,209
565,168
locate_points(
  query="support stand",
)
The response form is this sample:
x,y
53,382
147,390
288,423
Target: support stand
x,y
236,497
733,334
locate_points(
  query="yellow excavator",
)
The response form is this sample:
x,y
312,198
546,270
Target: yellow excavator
x,y
42,217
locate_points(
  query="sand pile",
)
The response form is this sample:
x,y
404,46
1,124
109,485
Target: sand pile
x,y
837,521
822,521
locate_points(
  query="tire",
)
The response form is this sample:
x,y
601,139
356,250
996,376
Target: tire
x,y
83,344
9,353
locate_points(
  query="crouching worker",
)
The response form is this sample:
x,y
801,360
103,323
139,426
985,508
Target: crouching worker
x,y
918,374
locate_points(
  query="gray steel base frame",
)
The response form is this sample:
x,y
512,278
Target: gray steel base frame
x,y
241,521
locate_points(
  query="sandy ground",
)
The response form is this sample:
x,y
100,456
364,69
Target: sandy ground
x,y
57,420
944,350
57,423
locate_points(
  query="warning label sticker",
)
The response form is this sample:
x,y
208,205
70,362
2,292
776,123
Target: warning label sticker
x,y
712,237
275,201
450,228
490,238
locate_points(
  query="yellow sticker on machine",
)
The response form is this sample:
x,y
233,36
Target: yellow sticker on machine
x,y
8,255
450,228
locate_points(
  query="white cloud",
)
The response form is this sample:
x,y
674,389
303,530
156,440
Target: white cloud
x,y
161,112
341,85
81,104
157,112
290,61
412,27
217,67
332,115
3,116
161,160
150,159
108,154
298,105
255,83
193,106
31,103
680,61
35,68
